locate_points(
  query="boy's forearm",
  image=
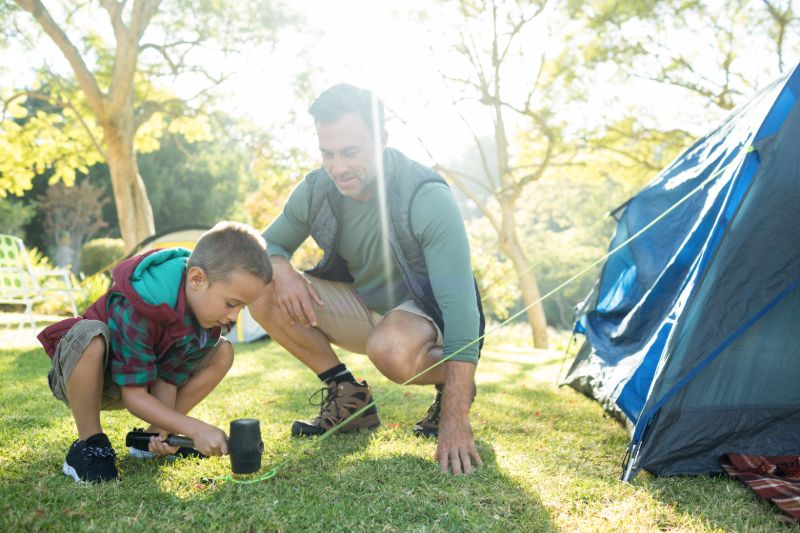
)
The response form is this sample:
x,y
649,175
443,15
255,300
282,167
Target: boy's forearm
x,y
166,393
144,405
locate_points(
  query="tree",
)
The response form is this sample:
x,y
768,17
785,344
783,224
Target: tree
x,y
113,104
72,216
497,42
720,51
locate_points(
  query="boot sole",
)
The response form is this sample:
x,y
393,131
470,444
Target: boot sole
x,y
426,433
299,429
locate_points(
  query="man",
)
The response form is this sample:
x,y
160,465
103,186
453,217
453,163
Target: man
x,y
398,287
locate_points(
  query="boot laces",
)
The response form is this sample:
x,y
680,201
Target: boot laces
x,y
324,397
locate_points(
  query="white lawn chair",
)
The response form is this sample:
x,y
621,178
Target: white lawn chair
x,y
21,284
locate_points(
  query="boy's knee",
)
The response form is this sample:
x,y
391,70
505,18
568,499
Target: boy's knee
x,y
223,357
96,349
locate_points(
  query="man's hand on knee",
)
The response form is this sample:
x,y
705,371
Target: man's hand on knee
x,y
294,294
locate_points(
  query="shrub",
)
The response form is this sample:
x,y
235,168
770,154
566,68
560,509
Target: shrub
x,y
99,254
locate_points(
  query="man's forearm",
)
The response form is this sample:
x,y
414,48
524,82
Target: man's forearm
x,y
459,389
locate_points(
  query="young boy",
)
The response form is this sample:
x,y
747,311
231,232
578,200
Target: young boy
x,y
152,344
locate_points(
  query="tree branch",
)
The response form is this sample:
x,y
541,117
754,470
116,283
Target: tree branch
x,y
85,79
128,51
64,105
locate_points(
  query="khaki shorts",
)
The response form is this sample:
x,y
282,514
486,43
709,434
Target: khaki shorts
x,y
345,319
70,349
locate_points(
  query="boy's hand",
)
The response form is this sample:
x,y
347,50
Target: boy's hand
x,y
159,446
210,440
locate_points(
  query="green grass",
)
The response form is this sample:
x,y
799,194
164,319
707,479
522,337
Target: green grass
x,y
552,462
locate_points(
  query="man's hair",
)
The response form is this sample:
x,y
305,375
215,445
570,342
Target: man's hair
x,y
345,98
228,247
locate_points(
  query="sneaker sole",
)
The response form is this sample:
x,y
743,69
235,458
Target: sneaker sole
x,y
69,471
145,455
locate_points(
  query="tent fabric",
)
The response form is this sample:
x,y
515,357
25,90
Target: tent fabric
x,y
692,327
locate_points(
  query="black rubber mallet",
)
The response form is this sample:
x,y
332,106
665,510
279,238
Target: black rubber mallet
x,y
245,446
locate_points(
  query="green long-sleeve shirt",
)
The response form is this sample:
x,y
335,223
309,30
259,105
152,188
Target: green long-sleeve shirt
x,y
438,225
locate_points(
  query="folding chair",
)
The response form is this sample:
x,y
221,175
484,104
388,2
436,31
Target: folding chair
x,y
20,282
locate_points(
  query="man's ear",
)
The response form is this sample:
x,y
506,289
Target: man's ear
x,y
196,277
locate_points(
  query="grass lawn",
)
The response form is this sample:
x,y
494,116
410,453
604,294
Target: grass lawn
x,y
552,462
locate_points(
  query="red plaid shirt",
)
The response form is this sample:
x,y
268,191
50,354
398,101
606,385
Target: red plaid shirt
x,y
134,361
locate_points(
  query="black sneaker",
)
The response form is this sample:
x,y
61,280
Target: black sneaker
x,y
91,460
428,425
139,450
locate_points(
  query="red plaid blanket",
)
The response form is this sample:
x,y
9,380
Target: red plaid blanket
x,y
775,478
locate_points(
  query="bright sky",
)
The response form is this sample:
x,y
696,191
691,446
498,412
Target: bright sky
x,y
366,43
373,44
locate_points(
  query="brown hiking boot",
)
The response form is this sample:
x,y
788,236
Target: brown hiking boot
x,y
339,401
428,425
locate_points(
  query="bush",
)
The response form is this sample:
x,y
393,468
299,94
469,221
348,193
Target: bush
x,y
99,254
92,288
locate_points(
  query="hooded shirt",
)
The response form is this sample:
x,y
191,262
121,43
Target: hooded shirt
x,y
149,291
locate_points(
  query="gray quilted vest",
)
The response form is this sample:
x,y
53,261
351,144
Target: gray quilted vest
x,y
403,183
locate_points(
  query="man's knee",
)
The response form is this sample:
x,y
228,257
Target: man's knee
x,y
265,310
391,357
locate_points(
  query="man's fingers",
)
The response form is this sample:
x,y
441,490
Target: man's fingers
x,y
473,452
464,460
287,309
315,295
297,308
309,314
443,466
455,463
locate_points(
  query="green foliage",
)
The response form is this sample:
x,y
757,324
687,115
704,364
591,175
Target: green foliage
x,y
193,183
72,215
15,215
99,254
92,288
42,131
494,274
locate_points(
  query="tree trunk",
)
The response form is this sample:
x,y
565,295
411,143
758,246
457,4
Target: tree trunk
x,y
133,206
510,245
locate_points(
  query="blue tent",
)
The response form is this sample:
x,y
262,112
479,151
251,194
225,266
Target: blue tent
x,y
693,328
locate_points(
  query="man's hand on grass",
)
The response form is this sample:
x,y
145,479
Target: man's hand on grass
x,y
456,449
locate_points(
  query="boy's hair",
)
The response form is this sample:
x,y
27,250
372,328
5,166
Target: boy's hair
x,y
231,246
345,98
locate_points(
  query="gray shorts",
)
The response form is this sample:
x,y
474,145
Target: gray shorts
x,y
71,348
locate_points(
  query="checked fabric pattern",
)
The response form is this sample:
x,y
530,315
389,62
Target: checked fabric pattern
x,y
134,361
775,478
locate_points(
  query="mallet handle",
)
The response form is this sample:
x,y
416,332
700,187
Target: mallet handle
x,y
142,437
